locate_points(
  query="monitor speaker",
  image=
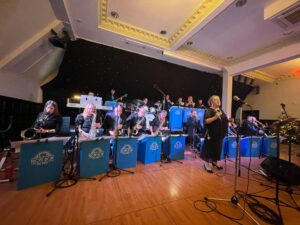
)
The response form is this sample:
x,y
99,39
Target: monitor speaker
x,y
288,173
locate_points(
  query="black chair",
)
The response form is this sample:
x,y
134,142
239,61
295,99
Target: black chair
x,y
65,126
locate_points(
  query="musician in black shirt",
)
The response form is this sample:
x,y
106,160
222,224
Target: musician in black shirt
x,y
48,122
137,121
114,122
159,125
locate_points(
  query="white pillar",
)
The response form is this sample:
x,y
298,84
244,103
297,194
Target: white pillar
x,y
227,93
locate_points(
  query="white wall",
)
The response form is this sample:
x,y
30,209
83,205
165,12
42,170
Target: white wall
x,y
272,95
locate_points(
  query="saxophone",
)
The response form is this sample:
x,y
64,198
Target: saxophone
x,y
158,131
135,129
93,130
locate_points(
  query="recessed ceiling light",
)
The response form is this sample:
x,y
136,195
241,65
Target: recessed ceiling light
x,y
240,3
114,14
163,32
189,43
229,57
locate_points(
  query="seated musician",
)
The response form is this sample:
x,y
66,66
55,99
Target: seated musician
x,y
194,129
251,127
137,121
88,120
159,126
190,102
48,122
180,102
200,104
232,127
114,122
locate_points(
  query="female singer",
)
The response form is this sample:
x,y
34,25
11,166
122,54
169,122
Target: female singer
x,y
84,121
49,121
216,123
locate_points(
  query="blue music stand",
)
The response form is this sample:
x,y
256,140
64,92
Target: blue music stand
x,y
186,114
112,104
251,146
40,162
174,147
229,147
126,154
269,146
149,149
175,118
94,157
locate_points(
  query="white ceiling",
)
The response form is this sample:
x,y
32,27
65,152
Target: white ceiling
x,y
222,37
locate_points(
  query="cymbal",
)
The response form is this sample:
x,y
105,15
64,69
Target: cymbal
x,y
138,102
282,122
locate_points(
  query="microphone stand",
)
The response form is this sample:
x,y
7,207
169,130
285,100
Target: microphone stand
x,y
155,86
234,198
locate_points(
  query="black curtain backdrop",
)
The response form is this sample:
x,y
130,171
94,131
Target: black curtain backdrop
x,y
93,67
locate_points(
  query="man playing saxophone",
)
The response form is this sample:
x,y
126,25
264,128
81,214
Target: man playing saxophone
x,y
114,122
87,122
137,121
159,125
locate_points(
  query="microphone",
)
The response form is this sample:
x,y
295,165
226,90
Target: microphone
x,y
237,99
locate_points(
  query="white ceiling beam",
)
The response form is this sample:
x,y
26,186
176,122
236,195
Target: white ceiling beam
x,y
30,42
201,63
279,55
203,23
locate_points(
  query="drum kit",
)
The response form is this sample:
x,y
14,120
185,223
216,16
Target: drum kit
x,y
132,106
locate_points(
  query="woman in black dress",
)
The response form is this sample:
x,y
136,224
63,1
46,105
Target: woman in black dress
x,y
49,121
216,124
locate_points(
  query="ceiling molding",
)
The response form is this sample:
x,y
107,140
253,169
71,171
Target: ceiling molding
x,y
257,74
125,29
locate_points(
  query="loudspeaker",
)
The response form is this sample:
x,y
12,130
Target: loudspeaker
x,y
288,173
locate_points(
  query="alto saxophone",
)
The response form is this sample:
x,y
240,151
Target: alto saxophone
x,y
135,129
93,130
158,131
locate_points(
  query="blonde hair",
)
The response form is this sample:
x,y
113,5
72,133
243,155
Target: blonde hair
x,y
86,107
211,99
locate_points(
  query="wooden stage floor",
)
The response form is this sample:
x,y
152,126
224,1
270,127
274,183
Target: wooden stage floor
x,y
153,195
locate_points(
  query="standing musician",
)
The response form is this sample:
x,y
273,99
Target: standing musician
x,y
190,102
216,123
193,128
114,122
169,103
87,120
159,126
137,121
48,122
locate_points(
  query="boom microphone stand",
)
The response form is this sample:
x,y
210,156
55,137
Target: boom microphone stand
x,y
155,86
70,173
234,198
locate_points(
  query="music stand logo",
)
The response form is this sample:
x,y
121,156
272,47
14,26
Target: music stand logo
x,y
43,158
154,146
126,149
96,153
273,145
254,144
178,145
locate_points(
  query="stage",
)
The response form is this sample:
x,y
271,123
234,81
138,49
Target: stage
x,y
155,194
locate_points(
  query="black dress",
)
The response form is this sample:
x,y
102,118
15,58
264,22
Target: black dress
x,y
48,122
215,133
